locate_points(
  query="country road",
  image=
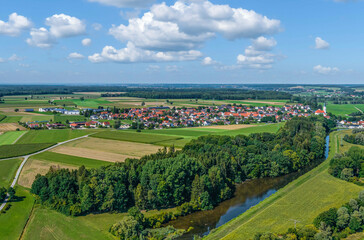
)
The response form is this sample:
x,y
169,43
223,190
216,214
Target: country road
x,y
26,157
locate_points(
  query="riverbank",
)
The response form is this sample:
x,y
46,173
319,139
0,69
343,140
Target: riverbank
x,y
300,201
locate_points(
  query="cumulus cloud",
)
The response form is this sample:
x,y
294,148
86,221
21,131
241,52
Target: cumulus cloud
x,y
208,61
325,70
15,25
172,68
153,68
15,58
60,26
257,55
86,42
41,38
97,26
124,3
187,25
132,54
75,55
321,44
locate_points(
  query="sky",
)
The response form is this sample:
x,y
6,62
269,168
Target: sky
x,y
185,41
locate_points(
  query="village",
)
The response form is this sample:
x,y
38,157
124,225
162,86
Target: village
x,y
165,117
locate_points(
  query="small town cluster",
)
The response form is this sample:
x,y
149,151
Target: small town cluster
x,y
165,117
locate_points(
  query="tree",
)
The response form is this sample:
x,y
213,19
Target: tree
x,y
343,218
117,124
328,217
11,192
128,228
16,110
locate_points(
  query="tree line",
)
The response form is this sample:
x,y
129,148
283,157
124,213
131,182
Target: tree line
x,y
357,137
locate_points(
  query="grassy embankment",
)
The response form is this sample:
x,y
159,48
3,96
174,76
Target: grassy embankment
x,y
301,200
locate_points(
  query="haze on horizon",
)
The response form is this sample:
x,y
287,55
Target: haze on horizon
x,y
184,41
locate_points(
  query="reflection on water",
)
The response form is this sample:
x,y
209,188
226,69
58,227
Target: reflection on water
x,y
247,194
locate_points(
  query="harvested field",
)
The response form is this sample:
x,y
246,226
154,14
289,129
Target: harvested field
x,y
265,102
111,146
93,154
6,127
34,167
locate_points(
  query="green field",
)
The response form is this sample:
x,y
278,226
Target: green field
x,y
64,118
15,150
301,200
51,136
14,220
91,103
70,160
134,136
344,109
10,137
11,119
8,169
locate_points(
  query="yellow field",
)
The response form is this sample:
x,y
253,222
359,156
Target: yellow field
x,y
112,146
6,127
34,167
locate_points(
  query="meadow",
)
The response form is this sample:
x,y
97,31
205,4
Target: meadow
x,y
301,200
8,169
15,150
344,109
52,136
15,218
10,137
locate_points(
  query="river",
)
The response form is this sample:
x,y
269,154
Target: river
x,y
247,195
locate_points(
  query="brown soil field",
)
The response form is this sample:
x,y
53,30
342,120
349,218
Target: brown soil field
x,y
93,154
117,147
6,127
34,167
231,127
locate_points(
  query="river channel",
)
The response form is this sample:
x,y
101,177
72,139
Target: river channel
x,y
247,195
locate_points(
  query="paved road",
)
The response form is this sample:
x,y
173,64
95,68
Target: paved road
x,y
26,157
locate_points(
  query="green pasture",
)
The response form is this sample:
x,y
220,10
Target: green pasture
x,y
64,118
301,200
91,103
15,150
344,109
51,136
11,119
70,160
10,137
8,169
134,136
15,218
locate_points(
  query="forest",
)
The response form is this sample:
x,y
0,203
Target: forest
x,y
357,137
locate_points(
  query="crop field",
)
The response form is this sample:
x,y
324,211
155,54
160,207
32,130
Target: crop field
x,y
134,136
15,150
6,127
37,118
111,146
8,169
301,200
63,119
14,220
10,137
344,109
63,159
11,119
51,136
91,103
34,167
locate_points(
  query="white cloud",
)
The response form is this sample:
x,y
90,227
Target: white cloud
x,y
2,60
187,25
15,25
97,26
325,70
62,26
75,55
153,68
14,58
124,3
133,54
207,61
264,44
86,42
321,44
41,38
172,68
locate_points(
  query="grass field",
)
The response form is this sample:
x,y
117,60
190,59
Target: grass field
x,y
69,160
64,118
134,136
51,136
8,169
301,200
15,150
10,137
14,220
7,127
344,109
91,103
11,119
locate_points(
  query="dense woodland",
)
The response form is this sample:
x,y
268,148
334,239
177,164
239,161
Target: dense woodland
x,y
357,137
203,173
348,166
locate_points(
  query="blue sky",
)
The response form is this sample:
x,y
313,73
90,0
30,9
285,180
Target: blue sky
x,y
185,41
